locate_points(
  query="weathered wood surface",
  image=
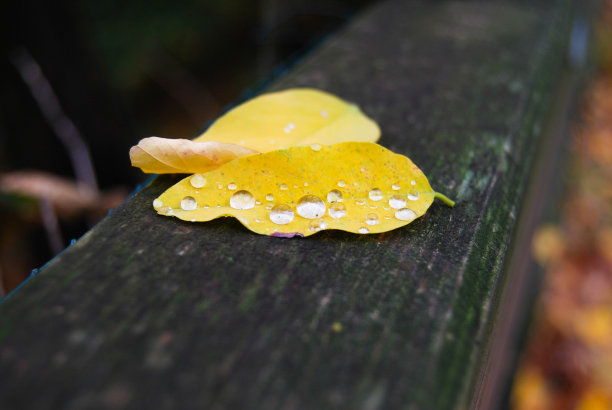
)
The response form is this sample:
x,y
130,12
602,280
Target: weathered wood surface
x,y
146,311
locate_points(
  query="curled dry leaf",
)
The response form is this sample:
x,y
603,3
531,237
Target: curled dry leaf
x,y
265,123
355,187
166,156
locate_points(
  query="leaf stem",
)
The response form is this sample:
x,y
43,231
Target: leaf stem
x,y
445,199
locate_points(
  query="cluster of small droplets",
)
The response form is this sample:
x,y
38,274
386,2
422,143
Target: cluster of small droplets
x,y
289,127
309,206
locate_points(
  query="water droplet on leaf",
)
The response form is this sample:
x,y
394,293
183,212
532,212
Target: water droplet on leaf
x,y
197,180
231,186
189,203
405,214
310,207
337,210
397,202
334,196
363,229
413,195
376,194
242,200
281,214
316,147
341,184
395,187
157,203
269,197
372,219
317,225
283,187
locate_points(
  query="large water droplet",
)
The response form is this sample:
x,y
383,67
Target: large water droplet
x,y
310,207
397,202
281,214
405,214
270,197
197,180
157,203
334,196
337,210
372,219
188,203
316,147
363,229
376,194
317,225
242,200
341,184
396,187
231,186
283,187
413,195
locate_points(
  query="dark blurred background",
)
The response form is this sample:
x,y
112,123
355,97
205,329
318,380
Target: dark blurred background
x,y
121,71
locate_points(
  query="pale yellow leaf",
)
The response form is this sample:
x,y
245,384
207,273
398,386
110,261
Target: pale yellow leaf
x,y
297,116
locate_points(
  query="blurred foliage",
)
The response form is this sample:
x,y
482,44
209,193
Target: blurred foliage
x,y
197,32
568,360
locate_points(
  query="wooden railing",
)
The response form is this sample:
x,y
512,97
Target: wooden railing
x,y
146,311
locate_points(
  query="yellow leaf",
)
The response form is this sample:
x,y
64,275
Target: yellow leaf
x,y
298,116
352,186
166,156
